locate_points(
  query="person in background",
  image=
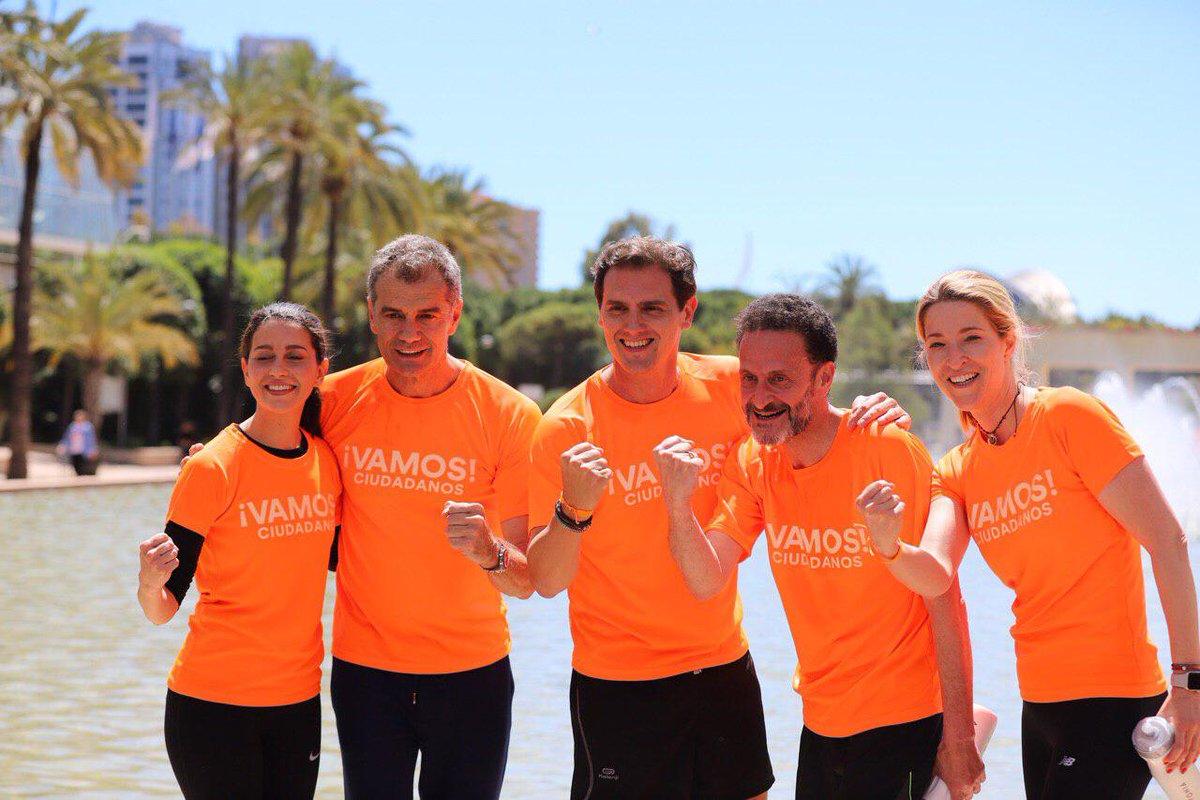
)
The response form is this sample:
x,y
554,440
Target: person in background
x,y
80,445
252,519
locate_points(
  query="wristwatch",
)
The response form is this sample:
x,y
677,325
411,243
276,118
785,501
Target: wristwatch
x,y
1186,679
501,559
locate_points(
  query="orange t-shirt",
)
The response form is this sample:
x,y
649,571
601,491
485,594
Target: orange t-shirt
x,y
864,643
1032,508
254,638
406,600
632,615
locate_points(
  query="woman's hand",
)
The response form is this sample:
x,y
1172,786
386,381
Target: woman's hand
x,y
883,511
1183,710
158,559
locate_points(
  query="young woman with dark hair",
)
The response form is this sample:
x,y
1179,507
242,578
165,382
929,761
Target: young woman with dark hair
x,y
252,519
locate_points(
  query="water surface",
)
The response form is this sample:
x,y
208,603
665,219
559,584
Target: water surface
x,y
82,672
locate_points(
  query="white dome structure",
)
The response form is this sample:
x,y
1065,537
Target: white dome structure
x,y
1040,293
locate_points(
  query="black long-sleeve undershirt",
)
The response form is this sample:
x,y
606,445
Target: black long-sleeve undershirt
x,y
190,543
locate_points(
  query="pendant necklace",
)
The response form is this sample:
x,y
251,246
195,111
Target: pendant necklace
x,y
990,436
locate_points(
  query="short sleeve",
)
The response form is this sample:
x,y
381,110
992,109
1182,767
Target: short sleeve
x,y
552,436
906,463
947,477
512,470
335,476
201,495
739,510
1095,442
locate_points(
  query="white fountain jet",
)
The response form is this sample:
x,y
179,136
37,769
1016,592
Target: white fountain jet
x,y
1165,421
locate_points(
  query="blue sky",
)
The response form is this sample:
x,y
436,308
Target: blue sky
x,y
922,136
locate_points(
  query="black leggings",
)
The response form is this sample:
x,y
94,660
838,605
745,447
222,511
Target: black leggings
x,y
226,752
1082,748
458,722
893,762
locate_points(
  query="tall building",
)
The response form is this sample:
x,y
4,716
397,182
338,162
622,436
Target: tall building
x,y
177,186
251,47
524,224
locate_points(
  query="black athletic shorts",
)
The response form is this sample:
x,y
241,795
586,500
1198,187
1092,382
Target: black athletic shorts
x,y
457,722
886,763
227,752
1082,748
695,736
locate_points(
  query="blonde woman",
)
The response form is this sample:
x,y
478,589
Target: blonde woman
x,y
1058,498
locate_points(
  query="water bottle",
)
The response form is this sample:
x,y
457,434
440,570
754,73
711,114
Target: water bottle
x,y
1152,738
985,725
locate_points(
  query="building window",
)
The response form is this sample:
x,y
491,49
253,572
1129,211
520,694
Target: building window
x,y
138,60
136,108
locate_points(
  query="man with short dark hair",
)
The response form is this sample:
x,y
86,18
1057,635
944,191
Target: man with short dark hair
x,y
665,702
868,668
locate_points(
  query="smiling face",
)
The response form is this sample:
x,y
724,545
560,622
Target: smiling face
x,y
970,362
641,320
282,368
413,323
780,385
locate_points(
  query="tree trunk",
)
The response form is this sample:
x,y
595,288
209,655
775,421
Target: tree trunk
x,y
92,375
69,379
291,224
328,306
229,385
22,380
153,431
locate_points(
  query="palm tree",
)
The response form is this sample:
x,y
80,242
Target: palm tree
x,y
113,309
306,93
475,227
233,104
848,279
357,183
58,79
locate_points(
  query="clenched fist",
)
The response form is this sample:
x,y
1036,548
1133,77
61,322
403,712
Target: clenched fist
x,y
678,469
585,476
158,558
883,511
468,532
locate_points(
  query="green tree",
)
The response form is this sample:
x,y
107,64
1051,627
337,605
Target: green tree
x,y
233,102
848,278
359,187
557,344
634,223
57,79
114,310
714,318
307,96
476,228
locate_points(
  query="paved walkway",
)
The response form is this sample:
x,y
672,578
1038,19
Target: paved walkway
x,y
47,472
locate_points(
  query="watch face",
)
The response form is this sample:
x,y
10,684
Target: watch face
x,y
1193,680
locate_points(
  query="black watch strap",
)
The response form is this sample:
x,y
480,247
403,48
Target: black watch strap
x,y
569,522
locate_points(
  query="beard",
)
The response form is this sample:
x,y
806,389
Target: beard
x,y
792,422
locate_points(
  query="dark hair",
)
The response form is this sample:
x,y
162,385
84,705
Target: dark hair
x,y
410,258
648,251
792,313
310,417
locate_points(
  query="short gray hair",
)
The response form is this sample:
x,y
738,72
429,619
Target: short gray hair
x,y
410,258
